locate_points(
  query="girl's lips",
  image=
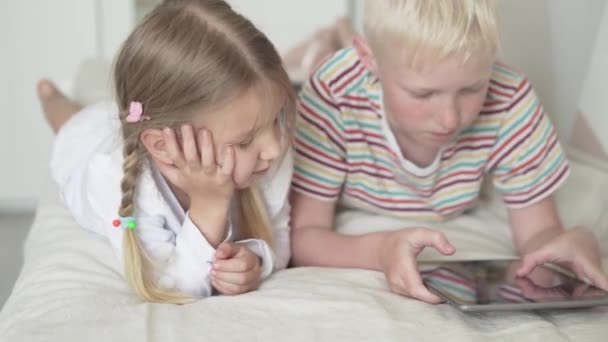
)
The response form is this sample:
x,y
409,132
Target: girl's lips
x,y
260,172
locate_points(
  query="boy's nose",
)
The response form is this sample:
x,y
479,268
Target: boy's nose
x,y
449,118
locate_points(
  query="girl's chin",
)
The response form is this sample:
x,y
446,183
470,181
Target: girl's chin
x,y
245,184
253,178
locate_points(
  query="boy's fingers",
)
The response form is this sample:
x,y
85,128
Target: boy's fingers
x,y
531,261
415,287
595,275
430,238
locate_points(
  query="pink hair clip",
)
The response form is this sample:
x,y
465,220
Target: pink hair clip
x,y
136,112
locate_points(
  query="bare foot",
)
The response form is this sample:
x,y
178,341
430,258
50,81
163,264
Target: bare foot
x,y
57,107
344,31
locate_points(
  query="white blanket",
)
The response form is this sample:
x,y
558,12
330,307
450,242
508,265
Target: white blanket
x,y
71,290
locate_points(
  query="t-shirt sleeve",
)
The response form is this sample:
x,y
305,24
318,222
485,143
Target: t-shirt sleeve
x,y
320,155
527,162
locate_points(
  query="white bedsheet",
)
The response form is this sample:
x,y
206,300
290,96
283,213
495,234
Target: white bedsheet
x,y
70,290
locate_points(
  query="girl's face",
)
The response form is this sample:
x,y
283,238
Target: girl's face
x,y
252,128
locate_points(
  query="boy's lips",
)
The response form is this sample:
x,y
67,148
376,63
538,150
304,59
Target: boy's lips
x,y
442,135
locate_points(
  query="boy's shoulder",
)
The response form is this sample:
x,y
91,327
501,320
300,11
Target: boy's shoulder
x,y
342,73
505,82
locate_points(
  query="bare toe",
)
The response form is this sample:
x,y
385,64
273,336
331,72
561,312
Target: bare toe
x,y
57,107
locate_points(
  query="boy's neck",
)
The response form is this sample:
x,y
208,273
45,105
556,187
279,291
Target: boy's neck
x,y
420,156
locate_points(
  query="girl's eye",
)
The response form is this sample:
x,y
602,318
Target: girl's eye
x,y
245,143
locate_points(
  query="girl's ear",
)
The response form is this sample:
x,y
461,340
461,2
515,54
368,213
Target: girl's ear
x,y
365,54
153,140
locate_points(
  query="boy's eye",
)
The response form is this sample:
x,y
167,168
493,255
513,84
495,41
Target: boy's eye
x,y
471,90
425,95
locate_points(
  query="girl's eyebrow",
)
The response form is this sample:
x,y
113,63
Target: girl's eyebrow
x,y
255,129
244,136
247,134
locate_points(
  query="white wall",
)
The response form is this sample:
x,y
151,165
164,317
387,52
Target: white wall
x,y
43,39
52,38
594,97
286,22
551,40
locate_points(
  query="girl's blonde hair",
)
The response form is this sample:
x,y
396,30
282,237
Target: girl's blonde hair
x,y
184,57
427,32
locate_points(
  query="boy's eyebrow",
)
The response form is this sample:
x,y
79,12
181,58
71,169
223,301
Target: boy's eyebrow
x,y
478,83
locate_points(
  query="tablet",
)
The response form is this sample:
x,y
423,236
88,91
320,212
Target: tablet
x,y
492,285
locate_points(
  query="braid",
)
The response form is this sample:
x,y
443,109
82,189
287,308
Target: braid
x,y
136,262
131,167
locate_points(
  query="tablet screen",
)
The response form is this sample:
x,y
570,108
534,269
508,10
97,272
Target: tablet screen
x,y
495,282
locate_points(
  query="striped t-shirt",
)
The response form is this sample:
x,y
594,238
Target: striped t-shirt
x,y
346,152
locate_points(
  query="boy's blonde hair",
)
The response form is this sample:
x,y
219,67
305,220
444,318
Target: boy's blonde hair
x,y
428,31
185,57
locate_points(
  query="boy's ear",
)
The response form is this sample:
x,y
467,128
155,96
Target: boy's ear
x,y
154,142
365,54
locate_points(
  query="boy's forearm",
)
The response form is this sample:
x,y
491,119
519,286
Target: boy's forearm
x,y
533,242
324,247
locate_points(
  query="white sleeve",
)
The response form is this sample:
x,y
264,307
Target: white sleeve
x,y
182,261
275,190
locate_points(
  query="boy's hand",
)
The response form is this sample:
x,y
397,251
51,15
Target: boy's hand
x,y
397,256
576,249
236,269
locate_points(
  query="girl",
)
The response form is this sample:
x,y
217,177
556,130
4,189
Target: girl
x,y
184,166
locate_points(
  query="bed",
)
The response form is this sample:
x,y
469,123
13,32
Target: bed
x,y
71,290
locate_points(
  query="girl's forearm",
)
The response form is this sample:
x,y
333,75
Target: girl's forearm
x,y
211,219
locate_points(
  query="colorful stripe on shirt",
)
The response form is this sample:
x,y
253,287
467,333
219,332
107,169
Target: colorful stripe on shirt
x,y
343,151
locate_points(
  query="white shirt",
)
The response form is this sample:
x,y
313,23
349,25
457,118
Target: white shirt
x,y
87,165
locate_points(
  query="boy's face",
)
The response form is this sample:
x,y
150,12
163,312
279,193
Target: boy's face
x,y
428,107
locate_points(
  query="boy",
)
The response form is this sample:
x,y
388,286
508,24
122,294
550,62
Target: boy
x,y
408,124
